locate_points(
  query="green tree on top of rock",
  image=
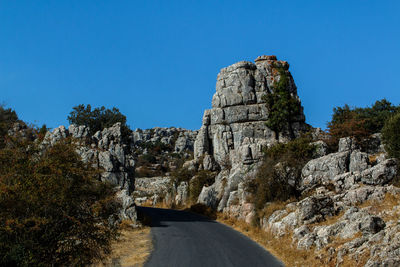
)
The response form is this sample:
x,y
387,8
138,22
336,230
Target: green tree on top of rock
x,y
282,106
391,136
360,122
97,119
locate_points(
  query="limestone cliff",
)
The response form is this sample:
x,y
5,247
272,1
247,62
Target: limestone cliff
x,y
234,132
235,128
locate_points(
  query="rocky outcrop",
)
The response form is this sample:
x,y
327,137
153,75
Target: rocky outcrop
x,y
158,151
154,189
235,128
107,151
178,139
347,208
234,132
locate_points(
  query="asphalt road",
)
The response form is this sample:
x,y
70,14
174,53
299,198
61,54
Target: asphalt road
x,y
190,240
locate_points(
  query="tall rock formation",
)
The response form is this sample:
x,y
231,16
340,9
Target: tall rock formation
x,y
234,132
235,128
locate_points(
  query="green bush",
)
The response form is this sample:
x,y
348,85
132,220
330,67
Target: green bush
x,y
391,136
181,175
360,122
98,118
7,118
277,177
147,158
53,209
282,106
202,178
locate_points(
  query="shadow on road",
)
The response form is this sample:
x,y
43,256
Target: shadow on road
x,y
156,217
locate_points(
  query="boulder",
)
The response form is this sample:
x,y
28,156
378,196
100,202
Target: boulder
x,y
321,149
315,209
359,161
381,173
322,170
347,144
182,194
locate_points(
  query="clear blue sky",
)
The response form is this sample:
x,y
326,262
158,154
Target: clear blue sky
x,y
157,61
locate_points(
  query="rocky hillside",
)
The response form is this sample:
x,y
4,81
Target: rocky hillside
x,y
232,136
346,208
143,153
158,151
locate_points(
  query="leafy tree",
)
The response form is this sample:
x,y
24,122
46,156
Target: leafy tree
x,y
391,136
41,132
376,115
360,122
282,106
7,118
98,118
346,122
53,209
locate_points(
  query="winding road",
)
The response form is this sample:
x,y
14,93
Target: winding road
x,y
190,240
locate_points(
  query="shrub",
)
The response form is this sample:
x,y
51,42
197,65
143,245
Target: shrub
x,y
98,118
391,136
349,124
376,115
203,210
202,178
360,122
41,132
282,106
278,176
53,209
181,175
7,118
147,158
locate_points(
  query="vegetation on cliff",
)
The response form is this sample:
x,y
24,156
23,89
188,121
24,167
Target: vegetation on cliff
x,y
360,122
7,118
282,106
97,119
391,136
280,171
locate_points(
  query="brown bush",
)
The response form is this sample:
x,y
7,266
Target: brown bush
x,y
53,209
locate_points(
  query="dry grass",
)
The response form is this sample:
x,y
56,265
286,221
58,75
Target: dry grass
x,y
131,249
330,259
373,158
383,208
272,207
329,220
288,253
